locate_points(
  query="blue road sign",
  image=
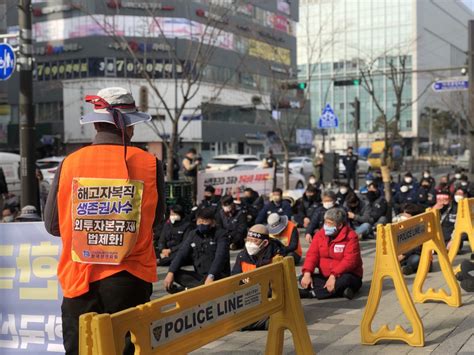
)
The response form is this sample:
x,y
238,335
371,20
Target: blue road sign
x,y
451,84
328,118
7,61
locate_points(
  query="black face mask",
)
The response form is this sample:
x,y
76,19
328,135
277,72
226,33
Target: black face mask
x,y
207,198
372,196
203,228
425,186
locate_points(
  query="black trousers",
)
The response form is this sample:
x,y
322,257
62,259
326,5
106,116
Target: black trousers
x,y
351,178
189,279
110,295
346,280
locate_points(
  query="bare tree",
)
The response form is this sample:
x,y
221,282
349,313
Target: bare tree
x,y
188,67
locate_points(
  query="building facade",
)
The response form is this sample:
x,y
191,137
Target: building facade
x,y
339,38
85,46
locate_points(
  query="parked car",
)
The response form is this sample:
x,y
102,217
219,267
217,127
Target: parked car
x,y
226,162
297,181
303,165
48,167
462,161
363,166
10,163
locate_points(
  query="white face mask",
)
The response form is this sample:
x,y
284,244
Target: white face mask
x,y
457,176
426,175
174,218
312,181
328,205
464,183
408,180
7,219
343,190
227,209
252,248
368,182
404,188
458,198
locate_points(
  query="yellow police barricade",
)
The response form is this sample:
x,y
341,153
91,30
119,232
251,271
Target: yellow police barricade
x,y
396,239
180,323
463,224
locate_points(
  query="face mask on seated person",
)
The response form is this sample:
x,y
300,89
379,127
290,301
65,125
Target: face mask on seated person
x,y
227,209
458,198
276,199
343,190
203,228
252,248
330,231
175,218
372,196
328,205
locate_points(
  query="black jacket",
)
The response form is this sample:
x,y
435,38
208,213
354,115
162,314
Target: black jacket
x,y
306,208
235,225
209,253
448,219
172,235
283,209
350,162
317,220
374,209
426,197
273,249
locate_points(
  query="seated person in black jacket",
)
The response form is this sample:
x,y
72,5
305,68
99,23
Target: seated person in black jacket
x,y
231,219
307,204
259,251
251,203
174,231
343,193
275,205
208,248
317,219
211,200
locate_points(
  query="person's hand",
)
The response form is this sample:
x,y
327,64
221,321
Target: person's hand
x,y
308,238
307,280
330,284
168,281
209,280
306,222
351,215
165,253
401,257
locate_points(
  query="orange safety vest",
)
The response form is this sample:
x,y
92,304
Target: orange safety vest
x,y
285,237
246,267
98,218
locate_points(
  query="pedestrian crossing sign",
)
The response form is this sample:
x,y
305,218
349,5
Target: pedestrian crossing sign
x,y
328,118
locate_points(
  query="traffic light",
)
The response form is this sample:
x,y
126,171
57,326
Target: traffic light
x,y
289,85
347,82
356,113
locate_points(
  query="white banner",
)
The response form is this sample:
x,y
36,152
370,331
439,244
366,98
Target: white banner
x,y
164,330
235,182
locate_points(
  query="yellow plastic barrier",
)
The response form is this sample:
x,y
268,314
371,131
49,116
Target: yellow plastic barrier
x,y
396,239
180,323
464,224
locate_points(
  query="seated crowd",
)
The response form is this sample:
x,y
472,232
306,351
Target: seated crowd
x,y
334,221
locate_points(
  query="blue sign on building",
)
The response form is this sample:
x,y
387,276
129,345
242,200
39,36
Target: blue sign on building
x,y
328,118
7,61
451,84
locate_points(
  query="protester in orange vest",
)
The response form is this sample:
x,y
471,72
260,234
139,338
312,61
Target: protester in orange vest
x,y
259,250
287,233
103,203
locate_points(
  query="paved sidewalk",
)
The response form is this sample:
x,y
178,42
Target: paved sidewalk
x,y
333,324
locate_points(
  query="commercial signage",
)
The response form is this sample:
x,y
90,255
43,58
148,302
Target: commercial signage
x,y
30,307
104,67
189,320
235,182
50,49
141,47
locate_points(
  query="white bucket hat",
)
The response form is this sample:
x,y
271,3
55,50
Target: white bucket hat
x,y
276,223
114,98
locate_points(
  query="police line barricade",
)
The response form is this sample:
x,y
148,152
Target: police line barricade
x,y
396,239
464,225
186,321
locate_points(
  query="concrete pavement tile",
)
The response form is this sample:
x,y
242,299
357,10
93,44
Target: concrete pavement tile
x,y
321,326
468,347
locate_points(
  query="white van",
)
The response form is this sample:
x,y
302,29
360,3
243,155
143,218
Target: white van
x,y
10,163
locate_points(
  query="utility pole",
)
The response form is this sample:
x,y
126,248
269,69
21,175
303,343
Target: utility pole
x,y
470,47
29,183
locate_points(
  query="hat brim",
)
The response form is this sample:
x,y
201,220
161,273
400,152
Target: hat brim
x,y
280,227
131,118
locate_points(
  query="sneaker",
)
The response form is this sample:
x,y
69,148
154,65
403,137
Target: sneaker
x,y
348,293
407,270
468,284
305,293
175,289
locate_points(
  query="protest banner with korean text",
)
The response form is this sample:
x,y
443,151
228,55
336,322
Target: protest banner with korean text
x,y
235,182
30,294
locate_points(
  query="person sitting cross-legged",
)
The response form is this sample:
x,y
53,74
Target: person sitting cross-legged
x,y
208,248
287,233
335,251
